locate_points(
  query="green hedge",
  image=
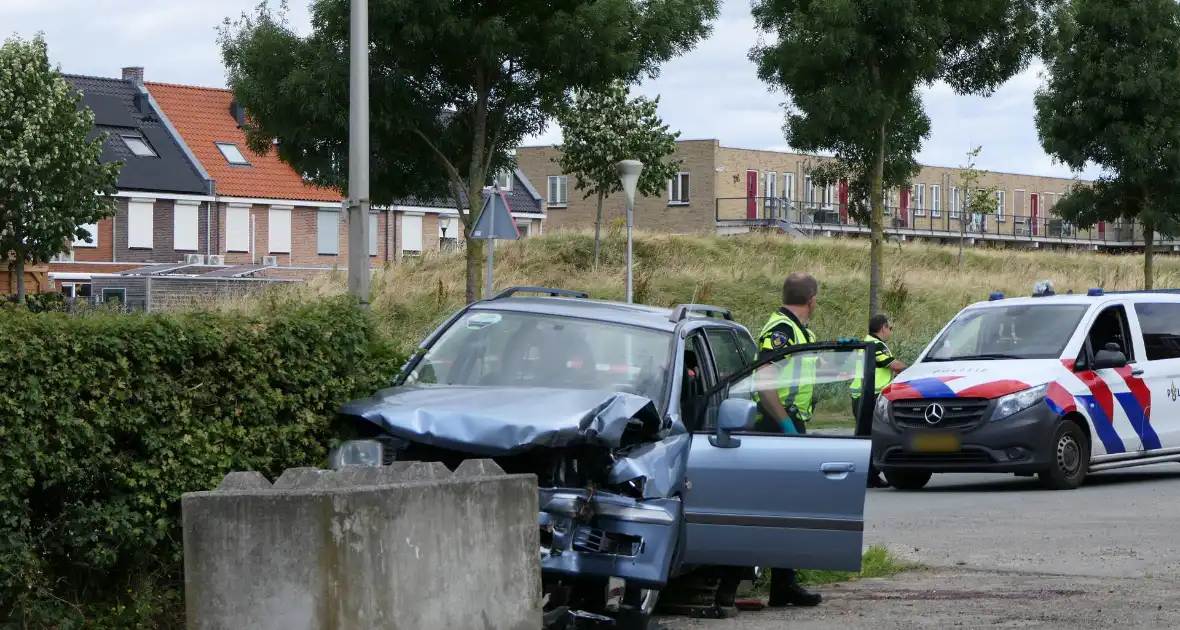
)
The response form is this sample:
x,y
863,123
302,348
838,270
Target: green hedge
x,y
106,419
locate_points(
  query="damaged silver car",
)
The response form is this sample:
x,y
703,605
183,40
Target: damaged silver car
x,y
640,424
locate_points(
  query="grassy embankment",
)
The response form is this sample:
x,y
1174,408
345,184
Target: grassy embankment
x,y
923,285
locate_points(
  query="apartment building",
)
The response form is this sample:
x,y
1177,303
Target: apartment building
x,y
728,190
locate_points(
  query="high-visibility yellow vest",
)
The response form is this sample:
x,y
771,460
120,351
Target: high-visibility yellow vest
x,y
798,371
881,375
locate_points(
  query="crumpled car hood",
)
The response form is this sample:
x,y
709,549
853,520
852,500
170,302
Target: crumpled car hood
x,y
504,421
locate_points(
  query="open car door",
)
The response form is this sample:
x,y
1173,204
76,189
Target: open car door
x,y
762,498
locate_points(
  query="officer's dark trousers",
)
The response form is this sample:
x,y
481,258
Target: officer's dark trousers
x,y
864,426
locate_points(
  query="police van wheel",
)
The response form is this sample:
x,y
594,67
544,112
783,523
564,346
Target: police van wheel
x,y
1069,458
908,479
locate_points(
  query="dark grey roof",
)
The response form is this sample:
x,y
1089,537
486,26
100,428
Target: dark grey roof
x,y
522,198
654,317
120,110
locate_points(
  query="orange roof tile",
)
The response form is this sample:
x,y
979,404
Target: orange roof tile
x,y
202,117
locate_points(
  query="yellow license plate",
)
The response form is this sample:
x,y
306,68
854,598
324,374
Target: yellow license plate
x,y
936,443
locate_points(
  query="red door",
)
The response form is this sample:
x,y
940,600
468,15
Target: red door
x,y
1102,230
904,215
1033,209
843,201
751,194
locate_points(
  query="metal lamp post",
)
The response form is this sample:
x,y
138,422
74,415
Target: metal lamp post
x,y
629,171
358,150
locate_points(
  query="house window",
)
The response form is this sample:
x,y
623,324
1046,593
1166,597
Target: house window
x,y
919,200
232,154
115,295
999,205
279,231
327,232
829,193
237,229
504,180
185,228
138,146
808,190
952,202
678,189
771,185
935,200
92,230
140,214
523,228
558,191
374,227
448,233
788,185
412,234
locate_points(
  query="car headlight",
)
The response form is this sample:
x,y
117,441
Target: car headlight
x,y
882,409
1019,401
356,453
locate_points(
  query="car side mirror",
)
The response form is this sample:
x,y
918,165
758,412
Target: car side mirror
x,y
1108,358
734,414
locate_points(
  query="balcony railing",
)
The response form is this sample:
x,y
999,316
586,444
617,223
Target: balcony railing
x,y
808,217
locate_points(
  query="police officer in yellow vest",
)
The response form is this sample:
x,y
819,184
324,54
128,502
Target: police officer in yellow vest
x,y
787,409
880,331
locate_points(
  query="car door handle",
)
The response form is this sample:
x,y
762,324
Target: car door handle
x,y
836,468
1137,372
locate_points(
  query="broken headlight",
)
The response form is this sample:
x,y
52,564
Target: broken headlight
x,y
356,453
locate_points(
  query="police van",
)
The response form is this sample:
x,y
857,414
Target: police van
x,y
1053,385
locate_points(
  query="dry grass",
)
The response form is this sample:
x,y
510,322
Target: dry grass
x,y
924,286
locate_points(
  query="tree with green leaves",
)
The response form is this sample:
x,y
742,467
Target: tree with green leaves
x,y
978,200
1112,98
852,69
600,128
455,86
51,182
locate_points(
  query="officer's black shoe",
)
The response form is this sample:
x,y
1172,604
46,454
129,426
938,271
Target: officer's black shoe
x,y
790,593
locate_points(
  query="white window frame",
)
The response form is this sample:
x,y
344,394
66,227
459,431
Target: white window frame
x,y
504,180
808,190
411,234
1018,193
138,146
935,200
374,234
278,241
558,186
919,200
788,191
186,226
229,157
1001,201
140,223
679,189
330,220
92,229
237,228
771,185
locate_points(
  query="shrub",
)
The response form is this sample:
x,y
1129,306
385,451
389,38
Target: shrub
x,y
107,418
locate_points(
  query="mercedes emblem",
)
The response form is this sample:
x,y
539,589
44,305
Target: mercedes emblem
x,y
934,413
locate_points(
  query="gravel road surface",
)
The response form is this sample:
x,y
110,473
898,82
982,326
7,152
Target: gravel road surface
x,y
1003,553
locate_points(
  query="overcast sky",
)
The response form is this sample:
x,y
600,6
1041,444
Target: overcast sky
x,y
711,92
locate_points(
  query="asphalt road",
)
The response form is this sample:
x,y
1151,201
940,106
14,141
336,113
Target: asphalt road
x,y
1001,552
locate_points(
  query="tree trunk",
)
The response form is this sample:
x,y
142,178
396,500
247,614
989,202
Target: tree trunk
x,y
962,237
476,176
876,224
597,230
474,253
1148,253
20,277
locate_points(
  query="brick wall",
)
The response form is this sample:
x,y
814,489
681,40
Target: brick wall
x,y
162,249
651,213
100,250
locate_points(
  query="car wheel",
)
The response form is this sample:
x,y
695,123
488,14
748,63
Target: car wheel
x,y
636,611
908,479
1069,458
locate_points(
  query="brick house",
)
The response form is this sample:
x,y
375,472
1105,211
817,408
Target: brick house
x,y
730,190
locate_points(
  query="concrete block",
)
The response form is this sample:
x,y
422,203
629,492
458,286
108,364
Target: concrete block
x,y
252,480
408,546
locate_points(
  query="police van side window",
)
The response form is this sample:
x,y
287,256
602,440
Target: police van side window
x,y
1110,327
1160,323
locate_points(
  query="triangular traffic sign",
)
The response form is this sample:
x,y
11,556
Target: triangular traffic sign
x,y
495,204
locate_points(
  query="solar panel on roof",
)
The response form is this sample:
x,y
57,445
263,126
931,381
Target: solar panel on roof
x,y
109,111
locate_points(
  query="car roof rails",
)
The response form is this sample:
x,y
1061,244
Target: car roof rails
x,y
511,291
682,311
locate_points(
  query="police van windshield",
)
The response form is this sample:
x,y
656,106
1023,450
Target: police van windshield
x,y
1026,331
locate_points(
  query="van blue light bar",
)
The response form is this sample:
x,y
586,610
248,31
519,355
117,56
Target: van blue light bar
x,y
995,296
1094,292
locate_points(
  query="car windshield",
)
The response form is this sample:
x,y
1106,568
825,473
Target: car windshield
x,y
1026,331
506,349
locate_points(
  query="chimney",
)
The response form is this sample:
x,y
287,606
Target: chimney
x,y
238,113
133,74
